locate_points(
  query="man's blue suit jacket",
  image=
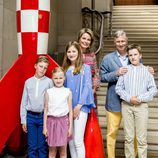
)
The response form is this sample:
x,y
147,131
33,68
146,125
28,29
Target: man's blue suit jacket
x,y
109,65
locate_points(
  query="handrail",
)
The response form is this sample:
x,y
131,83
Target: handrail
x,y
101,14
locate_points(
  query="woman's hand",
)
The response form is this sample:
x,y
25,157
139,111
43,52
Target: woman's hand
x,y
76,111
69,132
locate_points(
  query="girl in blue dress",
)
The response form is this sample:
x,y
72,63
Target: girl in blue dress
x,y
79,80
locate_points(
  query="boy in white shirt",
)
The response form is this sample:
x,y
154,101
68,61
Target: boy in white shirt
x,y
32,107
136,88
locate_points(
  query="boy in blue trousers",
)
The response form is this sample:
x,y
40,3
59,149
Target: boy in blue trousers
x,y
32,107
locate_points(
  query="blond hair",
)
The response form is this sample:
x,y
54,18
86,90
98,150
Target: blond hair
x,y
78,63
134,46
88,31
42,58
57,69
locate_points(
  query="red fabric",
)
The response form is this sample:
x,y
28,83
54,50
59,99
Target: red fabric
x,y
93,138
89,58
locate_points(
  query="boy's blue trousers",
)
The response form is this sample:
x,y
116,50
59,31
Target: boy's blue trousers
x,y
37,146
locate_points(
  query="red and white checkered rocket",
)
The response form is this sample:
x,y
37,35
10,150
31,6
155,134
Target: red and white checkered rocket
x,y
32,27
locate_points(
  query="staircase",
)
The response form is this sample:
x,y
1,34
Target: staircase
x,y
141,25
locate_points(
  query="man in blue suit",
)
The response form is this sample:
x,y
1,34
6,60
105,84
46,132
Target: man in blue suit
x,y
112,66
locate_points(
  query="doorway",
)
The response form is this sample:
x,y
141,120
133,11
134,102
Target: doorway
x,y
135,2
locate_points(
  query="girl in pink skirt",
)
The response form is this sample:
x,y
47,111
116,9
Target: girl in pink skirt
x,y
58,115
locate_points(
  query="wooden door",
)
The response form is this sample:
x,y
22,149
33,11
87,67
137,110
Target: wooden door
x,y
135,2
